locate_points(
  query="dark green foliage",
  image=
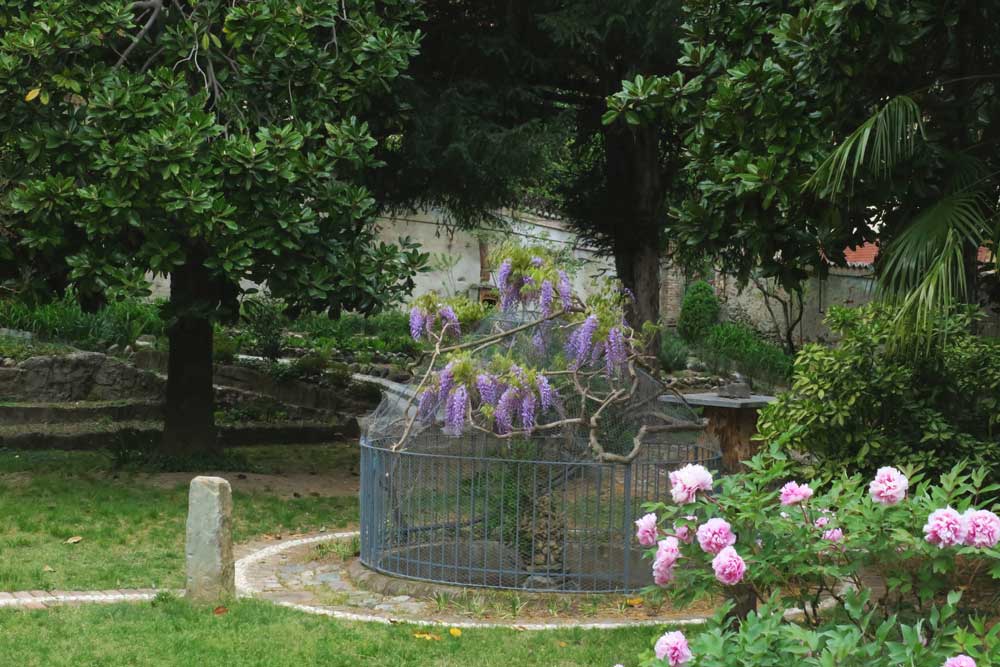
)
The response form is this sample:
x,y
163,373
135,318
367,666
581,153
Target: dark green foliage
x,y
508,99
225,346
734,346
118,323
862,404
673,352
265,322
699,312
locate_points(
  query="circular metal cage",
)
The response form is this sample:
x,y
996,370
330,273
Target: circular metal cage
x,y
490,512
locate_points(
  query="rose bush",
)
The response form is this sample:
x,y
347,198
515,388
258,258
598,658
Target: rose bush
x,y
885,571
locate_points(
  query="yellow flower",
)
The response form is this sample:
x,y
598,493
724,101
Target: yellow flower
x,y
455,632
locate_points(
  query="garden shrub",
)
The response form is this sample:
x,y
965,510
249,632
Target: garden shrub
x,y
699,312
225,346
736,346
469,312
880,571
265,321
386,332
118,323
673,352
863,403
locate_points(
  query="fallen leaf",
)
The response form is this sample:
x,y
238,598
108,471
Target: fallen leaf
x,y
455,632
634,602
426,635
47,568
76,539
219,611
563,644
32,94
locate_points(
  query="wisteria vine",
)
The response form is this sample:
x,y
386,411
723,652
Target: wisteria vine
x,y
508,397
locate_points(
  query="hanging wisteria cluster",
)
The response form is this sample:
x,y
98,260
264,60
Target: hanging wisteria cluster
x,y
428,316
505,396
527,280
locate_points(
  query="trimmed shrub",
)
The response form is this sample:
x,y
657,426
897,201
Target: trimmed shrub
x,y
673,352
734,346
699,312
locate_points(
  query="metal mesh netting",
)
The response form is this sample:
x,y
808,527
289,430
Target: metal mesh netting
x,y
531,511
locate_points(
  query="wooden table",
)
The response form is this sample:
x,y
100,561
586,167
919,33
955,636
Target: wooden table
x,y
732,420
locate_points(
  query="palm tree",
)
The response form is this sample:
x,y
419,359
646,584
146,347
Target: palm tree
x,y
946,193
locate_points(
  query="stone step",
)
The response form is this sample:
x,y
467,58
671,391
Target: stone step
x,y
16,414
99,435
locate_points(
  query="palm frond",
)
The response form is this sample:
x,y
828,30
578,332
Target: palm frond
x,y
924,270
879,144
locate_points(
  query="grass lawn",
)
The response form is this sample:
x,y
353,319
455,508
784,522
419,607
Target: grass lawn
x,y
173,632
133,531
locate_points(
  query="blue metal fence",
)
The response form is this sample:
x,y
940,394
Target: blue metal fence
x,y
486,512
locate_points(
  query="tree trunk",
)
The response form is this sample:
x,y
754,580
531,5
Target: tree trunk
x,y
634,180
744,601
189,426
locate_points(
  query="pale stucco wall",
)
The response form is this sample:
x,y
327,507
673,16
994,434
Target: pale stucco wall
x,y
462,248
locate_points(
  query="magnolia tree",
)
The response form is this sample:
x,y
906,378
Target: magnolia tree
x,y
219,143
558,364
849,571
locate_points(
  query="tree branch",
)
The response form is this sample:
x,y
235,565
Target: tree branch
x,y
157,7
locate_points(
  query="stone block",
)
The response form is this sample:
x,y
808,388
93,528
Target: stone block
x,y
211,569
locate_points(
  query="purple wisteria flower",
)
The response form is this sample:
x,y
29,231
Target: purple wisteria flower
x,y
538,340
417,318
536,262
454,419
616,351
446,379
504,414
581,340
528,416
426,405
545,297
565,289
488,388
545,392
509,292
447,313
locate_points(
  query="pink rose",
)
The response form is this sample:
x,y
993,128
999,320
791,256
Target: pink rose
x,y
667,553
822,521
715,535
960,660
889,486
833,535
673,648
646,530
945,528
793,493
982,528
686,482
729,567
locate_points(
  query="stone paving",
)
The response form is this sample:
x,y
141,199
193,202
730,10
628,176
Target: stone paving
x,y
288,574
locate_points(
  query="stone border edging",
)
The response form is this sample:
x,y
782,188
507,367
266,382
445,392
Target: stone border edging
x,y
244,589
39,599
